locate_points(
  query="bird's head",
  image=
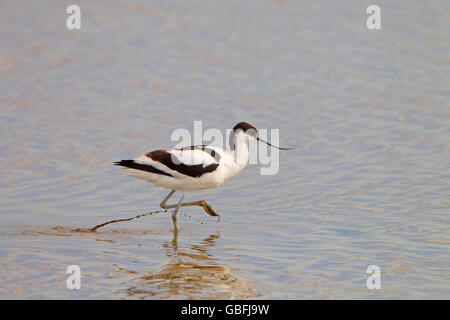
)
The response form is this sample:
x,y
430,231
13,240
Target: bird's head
x,y
247,132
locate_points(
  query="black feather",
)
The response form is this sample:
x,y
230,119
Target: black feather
x,y
139,166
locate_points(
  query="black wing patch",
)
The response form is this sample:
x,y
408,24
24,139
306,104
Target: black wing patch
x,y
195,171
139,166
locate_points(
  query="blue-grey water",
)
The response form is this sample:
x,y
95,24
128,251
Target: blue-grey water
x,y
367,110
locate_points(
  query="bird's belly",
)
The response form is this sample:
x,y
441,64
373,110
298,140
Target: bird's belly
x,y
184,183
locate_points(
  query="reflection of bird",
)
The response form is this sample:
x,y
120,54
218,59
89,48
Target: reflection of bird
x,y
192,273
195,167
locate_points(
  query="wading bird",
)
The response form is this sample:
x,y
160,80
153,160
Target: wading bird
x,y
194,168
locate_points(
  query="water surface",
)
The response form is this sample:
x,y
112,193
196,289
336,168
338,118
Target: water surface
x,y
368,183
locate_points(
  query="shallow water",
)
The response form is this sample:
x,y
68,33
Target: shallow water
x,y
367,185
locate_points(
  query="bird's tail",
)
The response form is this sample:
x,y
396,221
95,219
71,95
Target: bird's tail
x,y
125,163
147,168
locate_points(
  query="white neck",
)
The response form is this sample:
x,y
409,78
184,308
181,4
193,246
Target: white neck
x,y
240,152
235,159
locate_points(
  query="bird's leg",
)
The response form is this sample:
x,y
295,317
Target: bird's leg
x,y
177,206
163,203
205,205
175,212
201,203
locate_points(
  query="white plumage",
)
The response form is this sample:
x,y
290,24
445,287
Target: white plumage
x,y
178,180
